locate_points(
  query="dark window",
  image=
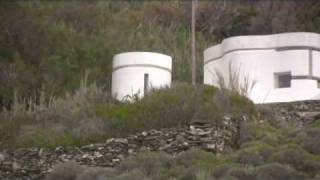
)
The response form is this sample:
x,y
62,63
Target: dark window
x,y
146,83
283,80
318,83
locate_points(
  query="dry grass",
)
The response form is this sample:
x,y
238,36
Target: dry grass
x,y
74,112
235,81
91,115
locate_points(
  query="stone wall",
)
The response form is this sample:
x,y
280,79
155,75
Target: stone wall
x,y
297,114
34,163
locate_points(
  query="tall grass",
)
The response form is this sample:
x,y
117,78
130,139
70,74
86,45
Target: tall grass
x,y
235,80
90,114
70,114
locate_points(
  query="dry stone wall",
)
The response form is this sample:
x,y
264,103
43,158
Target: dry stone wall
x,y
298,114
34,163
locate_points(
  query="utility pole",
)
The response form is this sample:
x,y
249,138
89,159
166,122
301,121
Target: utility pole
x,y
193,40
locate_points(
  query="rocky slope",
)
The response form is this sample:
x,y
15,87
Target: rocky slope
x,y
297,114
34,163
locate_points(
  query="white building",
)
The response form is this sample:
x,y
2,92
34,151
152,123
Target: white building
x,y
283,67
136,72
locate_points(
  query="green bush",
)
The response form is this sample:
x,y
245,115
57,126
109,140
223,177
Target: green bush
x,y
249,156
307,137
51,139
255,131
197,164
244,173
263,149
235,171
65,171
148,163
171,107
66,120
275,171
312,143
203,159
90,114
297,158
96,173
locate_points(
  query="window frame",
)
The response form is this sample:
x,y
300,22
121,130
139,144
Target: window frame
x,y
277,76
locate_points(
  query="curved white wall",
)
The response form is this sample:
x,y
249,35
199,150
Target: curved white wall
x,y
129,70
259,58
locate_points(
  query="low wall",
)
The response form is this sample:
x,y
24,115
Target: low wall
x,y
34,163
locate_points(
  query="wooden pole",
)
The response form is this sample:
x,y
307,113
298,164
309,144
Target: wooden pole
x,y
193,41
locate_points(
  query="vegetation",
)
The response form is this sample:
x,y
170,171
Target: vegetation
x,y
91,115
46,47
257,158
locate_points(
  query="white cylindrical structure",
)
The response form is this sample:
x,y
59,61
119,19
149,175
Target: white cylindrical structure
x,y
135,72
283,67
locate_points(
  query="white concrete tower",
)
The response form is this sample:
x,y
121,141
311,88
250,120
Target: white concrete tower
x,y
137,72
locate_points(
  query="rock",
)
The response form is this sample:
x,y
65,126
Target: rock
x,y
121,140
2,157
144,133
211,146
130,151
298,114
35,163
97,154
309,115
15,166
40,152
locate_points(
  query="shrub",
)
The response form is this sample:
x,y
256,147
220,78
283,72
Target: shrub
x,y
249,157
132,174
90,115
242,174
239,172
170,107
254,131
65,171
263,149
199,165
200,158
96,173
311,143
189,163
308,138
227,178
297,158
148,163
275,171
66,120
204,175
53,138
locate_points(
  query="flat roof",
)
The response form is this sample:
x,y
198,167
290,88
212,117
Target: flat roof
x,y
282,41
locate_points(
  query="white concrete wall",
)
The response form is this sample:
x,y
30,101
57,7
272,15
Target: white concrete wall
x,y
260,57
316,63
129,69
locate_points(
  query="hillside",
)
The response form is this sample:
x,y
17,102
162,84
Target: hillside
x,y
280,142
58,120
47,47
